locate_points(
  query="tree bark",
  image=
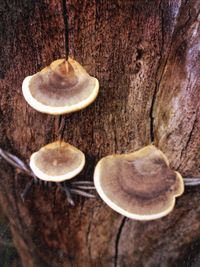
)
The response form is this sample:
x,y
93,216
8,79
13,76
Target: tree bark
x,y
145,55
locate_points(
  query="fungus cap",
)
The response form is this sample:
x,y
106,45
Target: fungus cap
x,y
138,185
63,87
57,162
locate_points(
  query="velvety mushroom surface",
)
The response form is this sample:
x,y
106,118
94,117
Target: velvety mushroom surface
x,y
57,162
138,185
62,87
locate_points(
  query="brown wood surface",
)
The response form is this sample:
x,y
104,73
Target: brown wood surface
x,y
146,57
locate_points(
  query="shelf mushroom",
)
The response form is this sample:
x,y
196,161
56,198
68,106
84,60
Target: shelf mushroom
x,y
57,162
138,185
63,87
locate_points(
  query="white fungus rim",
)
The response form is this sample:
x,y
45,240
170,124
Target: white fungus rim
x,y
57,110
114,206
60,178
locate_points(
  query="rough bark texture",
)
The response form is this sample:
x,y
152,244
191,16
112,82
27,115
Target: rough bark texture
x,y
146,56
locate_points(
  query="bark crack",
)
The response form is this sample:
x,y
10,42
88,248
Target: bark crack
x,y
157,83
159,73
117,240
66,27
188,140
191,132
151,114
62,120
61,127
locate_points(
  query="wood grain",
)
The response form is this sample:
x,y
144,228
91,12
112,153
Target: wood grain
x,y
145,55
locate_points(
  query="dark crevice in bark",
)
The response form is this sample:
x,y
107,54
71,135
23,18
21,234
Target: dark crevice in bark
x,y
151,115
159,73
118,239
62,126
191,132
62,119
66,30
157,84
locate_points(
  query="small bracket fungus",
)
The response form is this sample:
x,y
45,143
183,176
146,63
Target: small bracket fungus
x,y
63,87
57,162
138,185
55,168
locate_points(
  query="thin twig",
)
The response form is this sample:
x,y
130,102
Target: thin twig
x,y
62,126
68,193
83,187
18,161
5,156
81,193
69,196
15,161
191,181
27,189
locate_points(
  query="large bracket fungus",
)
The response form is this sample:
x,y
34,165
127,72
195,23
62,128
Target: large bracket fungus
x,y
138,185
57,162
63,87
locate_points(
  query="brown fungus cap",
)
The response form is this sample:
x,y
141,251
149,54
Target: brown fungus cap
x,y
63,87
57,162
138,185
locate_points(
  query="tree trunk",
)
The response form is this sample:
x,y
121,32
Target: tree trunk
x,y
146,56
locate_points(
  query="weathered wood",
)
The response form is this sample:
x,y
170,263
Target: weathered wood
x,y
145,55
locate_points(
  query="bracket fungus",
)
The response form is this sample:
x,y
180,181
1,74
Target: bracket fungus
x,y
69,187
63,87
57,162
138,185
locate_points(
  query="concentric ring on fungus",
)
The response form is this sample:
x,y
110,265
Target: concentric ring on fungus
x,y
63,87
138,185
